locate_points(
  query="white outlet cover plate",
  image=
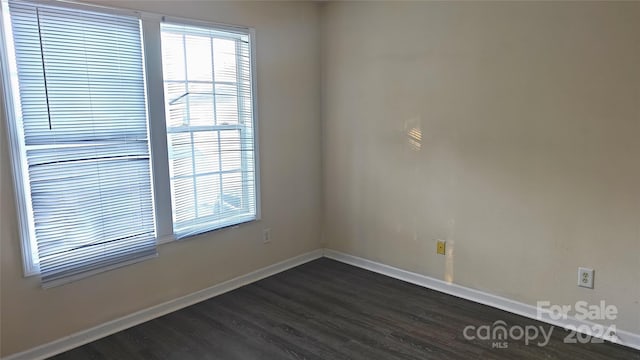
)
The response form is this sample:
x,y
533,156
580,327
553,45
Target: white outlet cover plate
x,y
585,277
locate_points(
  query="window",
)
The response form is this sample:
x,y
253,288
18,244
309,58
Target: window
x,y
84,133
207,82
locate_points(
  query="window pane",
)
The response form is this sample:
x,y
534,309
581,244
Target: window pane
x,y
226,104
206,152
183,196
200,104
208,187
225,60
174,94
180,155
173,56
198,55
232,195
230,150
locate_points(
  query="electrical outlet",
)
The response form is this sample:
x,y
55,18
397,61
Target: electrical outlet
x,y
441,247
266,236
585,277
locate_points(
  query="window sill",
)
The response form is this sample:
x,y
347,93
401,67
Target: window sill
x,y
162,240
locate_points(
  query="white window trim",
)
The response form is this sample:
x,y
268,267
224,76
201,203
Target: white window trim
x,y
154,83
21,185
157,132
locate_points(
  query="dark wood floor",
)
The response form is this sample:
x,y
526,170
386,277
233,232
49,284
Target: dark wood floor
x,y
328,310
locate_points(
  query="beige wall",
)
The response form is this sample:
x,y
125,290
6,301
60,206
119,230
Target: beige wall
x,y
288,100
529,158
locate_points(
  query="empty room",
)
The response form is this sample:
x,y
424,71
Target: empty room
x,y
319,179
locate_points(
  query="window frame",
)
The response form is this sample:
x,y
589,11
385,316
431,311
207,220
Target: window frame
x,y
232,33
150,27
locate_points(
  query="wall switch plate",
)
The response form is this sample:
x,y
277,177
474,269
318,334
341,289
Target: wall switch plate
x,y
441,247
585,277
266,236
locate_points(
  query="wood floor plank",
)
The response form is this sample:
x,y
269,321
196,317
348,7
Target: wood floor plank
x,y
329,310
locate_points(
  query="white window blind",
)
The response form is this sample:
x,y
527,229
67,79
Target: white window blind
x,y
209,119
84,127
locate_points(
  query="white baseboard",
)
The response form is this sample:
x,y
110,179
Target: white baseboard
x,y
111,327
622,337
83,337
